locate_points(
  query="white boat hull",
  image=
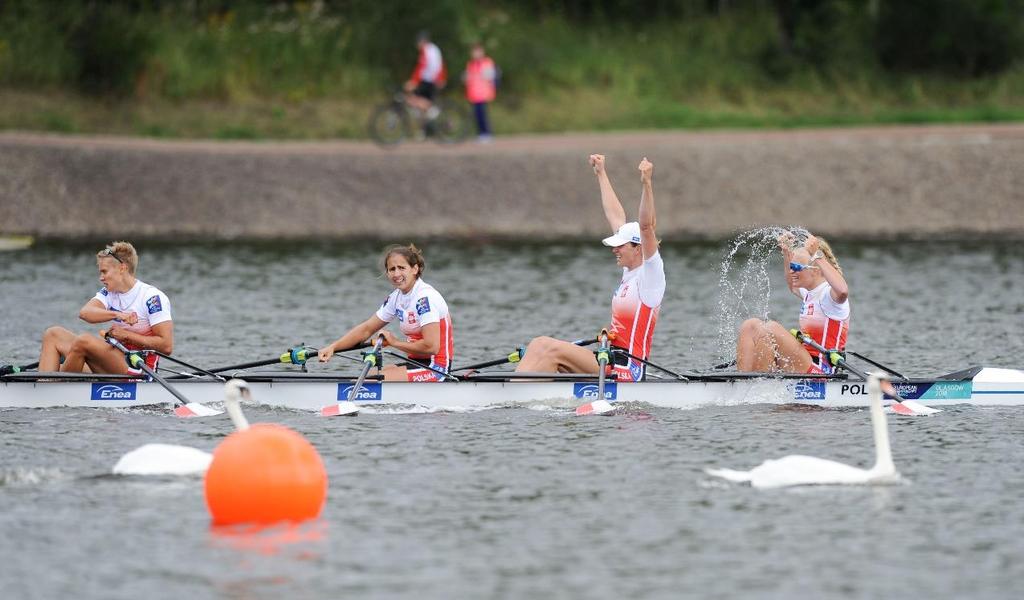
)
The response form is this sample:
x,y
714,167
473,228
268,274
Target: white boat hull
x,y
998,387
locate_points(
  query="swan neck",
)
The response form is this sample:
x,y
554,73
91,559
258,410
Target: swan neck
x,y
235,412
880,429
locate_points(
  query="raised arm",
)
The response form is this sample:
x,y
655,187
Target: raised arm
x,y
840,290
613,210
786,241
648,238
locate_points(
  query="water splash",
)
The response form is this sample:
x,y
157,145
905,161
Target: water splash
x,y
29,476
744,282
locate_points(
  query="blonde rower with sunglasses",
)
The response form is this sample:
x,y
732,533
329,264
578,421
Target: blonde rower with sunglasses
x,y
139,313
814,276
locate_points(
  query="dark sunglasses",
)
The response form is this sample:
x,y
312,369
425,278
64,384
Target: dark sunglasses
x,y
797,267
108,251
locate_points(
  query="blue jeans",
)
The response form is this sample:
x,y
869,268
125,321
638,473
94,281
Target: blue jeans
x,y
480,112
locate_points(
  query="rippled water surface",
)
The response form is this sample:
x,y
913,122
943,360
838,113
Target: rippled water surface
x,y
517,503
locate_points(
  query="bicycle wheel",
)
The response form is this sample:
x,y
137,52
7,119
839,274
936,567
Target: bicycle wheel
x,y
389,124
452,123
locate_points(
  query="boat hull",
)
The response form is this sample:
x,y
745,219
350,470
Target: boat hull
x,y
1003,388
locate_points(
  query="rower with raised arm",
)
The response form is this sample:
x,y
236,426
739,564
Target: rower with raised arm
x,y
423,318
813,275
635,303
141,316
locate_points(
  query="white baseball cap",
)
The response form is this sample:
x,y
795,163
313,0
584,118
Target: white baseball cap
x,y
628,233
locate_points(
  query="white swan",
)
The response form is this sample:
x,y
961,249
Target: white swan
x,y
163,459
808,470
171,459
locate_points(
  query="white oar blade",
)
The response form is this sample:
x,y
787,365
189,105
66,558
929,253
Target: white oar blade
x,y
194,409
341,409
597,407
911,408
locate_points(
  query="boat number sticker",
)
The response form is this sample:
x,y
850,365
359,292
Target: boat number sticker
x,y
368,392
588,391
113,391
936,390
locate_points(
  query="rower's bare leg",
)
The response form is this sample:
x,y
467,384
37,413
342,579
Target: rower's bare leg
x,y
548,355
56,343
92,350
756,347
395,373
791,355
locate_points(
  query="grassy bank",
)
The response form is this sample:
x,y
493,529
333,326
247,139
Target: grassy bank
x,y
299,71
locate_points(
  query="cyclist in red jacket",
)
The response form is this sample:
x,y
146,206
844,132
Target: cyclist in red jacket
x,y
428,76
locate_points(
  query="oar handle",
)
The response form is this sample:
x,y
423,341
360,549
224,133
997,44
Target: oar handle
x,y
12,369
602,362
602,350
370,359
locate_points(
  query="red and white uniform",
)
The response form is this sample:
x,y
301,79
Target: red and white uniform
x,y
423,305
825,321
429,66
635,308
149,304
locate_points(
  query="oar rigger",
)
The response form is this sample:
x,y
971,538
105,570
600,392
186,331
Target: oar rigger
x,y
136,361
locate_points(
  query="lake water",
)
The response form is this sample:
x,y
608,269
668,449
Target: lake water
x,y
517,503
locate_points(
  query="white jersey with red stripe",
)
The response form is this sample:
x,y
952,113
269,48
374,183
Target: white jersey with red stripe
x,y
429,64
423,305
825,321
635,308
149,304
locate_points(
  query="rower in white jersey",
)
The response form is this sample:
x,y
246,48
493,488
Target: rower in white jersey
x,y
813,275
423,318
637,300
141,316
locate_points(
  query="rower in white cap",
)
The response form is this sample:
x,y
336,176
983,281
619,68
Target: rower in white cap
x,y
637,300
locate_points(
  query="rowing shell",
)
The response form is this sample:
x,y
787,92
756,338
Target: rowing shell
x,y
308,391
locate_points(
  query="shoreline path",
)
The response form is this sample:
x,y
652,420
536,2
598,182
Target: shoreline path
x,y
862,182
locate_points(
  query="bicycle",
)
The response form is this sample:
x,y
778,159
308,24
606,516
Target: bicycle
x,y
394,121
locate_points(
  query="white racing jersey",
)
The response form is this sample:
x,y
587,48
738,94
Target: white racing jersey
x,y
423,305
149,304
635,308
825,321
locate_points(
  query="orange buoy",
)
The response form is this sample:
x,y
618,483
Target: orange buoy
x,y
265,474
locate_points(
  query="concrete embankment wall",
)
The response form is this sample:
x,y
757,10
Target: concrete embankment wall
x,y
870,182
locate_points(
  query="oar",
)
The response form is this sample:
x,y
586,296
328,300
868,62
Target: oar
x,y
599,406
901,406
513,357
188,366
348,407
11,369
187,409
294,356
